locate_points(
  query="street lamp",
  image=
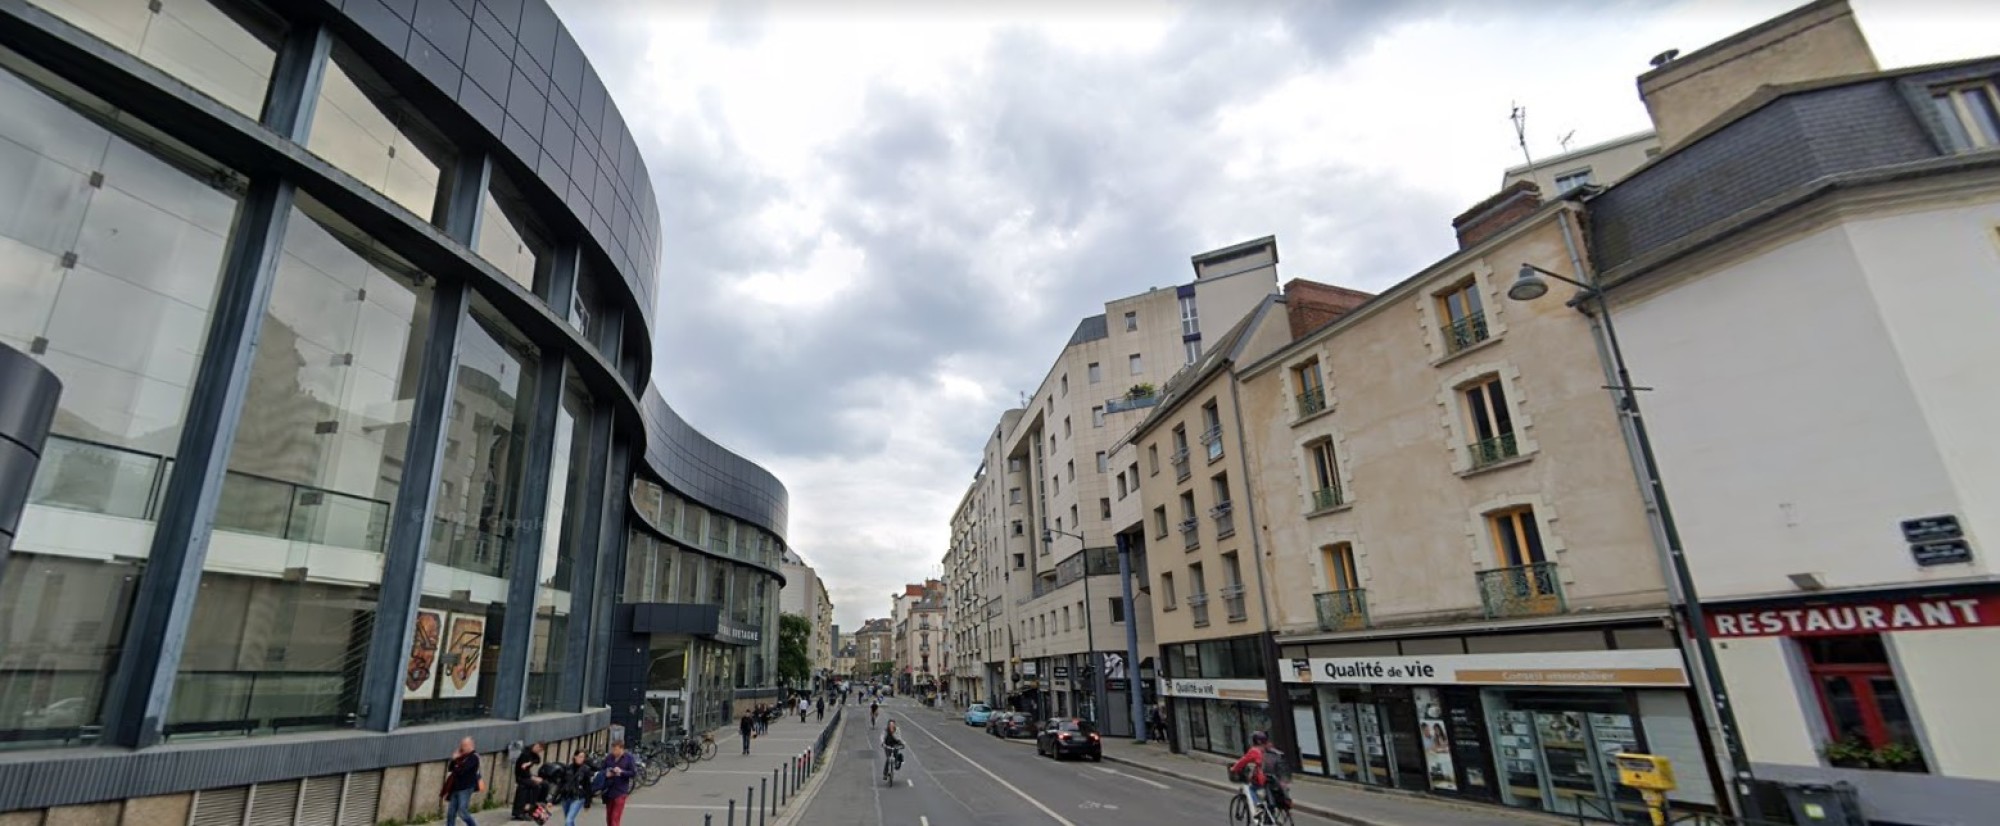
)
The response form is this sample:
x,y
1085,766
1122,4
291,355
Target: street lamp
x,y
1133,689
1531,283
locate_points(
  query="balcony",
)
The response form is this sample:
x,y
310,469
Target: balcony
x,y
1198,603
1180,462
1190,537
1525,591
1312,401
1212,439
1342,610
1232,602
1493,451
1130,402
1465,332
1225,519
1327,498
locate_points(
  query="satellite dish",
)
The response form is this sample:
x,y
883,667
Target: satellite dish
x,y
1665,57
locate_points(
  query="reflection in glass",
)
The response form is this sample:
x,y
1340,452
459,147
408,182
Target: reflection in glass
x,y
287,602
220,49
507,237
476,521
566,537
362,126
96,234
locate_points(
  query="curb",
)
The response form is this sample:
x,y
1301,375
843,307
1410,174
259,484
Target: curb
x,y
797,805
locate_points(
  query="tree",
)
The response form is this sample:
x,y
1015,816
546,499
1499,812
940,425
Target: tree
x,y
794,639
883,668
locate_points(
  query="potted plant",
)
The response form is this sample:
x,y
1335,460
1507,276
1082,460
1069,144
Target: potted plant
x,y
1140,391
1849,753
1854,753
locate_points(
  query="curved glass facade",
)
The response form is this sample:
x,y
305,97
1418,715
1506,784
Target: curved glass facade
x,y
320,462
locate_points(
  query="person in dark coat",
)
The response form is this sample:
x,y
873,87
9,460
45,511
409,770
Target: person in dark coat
x,y
745,727
529,788
619,771
461,780
572,791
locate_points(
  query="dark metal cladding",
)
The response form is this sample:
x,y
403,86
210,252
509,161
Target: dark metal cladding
x,y
28,394
713,475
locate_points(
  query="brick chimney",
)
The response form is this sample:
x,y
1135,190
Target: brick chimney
x,y
1309,305
1487,218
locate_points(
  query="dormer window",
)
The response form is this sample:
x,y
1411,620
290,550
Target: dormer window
x,y
1970,115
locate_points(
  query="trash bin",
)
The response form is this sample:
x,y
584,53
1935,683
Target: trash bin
x,y
1819,804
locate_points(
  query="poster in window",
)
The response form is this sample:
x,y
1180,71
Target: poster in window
x,y
1436,740
464,645
1566,754
420,673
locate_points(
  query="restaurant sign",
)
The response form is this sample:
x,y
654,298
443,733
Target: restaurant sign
x,y
1625,667
1873,616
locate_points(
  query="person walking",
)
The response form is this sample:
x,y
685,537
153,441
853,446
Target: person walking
x,y
819,709
461,779
619,769
527,782
746,727
803,708
573,790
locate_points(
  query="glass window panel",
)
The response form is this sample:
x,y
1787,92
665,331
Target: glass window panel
x,y
566,538
1954,126
220,49
472,544
288,597
507,237
363,126
138,251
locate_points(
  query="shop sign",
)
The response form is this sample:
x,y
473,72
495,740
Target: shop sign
x,y
1217,689
1632,667
1909,614
728,630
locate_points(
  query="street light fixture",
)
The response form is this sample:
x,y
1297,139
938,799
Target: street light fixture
x,y
1531,283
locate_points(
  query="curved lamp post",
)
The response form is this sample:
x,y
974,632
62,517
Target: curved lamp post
x,y
1531,283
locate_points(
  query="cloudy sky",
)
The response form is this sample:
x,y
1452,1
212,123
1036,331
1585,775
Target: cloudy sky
x,y
884,218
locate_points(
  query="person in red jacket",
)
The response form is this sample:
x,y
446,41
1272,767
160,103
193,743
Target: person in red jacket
x,y
1250,766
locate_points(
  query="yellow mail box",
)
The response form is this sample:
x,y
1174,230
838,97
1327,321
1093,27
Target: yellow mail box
x,y
1646,772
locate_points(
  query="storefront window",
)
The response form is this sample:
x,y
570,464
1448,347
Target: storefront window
x,y
363,126
474,527
221,49
103,228
1553,748
567,538
282,621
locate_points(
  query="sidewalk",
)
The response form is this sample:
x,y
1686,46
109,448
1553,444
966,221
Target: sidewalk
x,y
686,794
1340,802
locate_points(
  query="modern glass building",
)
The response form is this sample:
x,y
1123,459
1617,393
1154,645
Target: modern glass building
x,y
351,301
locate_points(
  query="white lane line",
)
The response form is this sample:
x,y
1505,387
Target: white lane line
x,y
989,773
923,821
1153,783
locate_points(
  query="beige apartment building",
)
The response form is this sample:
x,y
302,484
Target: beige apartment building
x,y
1464,584
1063,617
804,594
1194,525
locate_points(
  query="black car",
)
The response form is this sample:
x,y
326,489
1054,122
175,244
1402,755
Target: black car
x,y
1070,736
1010,724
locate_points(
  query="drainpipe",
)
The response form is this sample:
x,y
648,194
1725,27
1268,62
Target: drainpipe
x,y
1274,688
1737,777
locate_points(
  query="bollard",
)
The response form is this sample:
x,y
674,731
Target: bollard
x,y
785,782
732,812
709,819
763,798
767,795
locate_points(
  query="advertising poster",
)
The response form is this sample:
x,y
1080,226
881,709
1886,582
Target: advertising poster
x,y
1436,740
464,644
420,674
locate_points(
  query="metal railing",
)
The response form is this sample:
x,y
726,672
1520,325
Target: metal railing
x,y
1465,332
1124,403
1198,603
1342,610
1190,537
1180,462
1232,602
1489,451
1327,498
1312,401
1212,439
1225,522
1524,591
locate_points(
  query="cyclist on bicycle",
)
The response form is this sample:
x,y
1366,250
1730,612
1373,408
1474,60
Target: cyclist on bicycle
x,y
892,748
1250,767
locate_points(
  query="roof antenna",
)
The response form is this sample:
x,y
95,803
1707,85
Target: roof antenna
x,y
1520,119
1565,139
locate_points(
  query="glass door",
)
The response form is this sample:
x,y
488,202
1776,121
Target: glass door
x,y
1406,749
1376,770
1305,721
1343,740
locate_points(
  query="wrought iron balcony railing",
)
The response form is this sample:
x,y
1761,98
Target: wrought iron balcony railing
x,y
1342,610
1490,451
1312,401
1198,603
1328,497
1232,602
1523,591
1465,332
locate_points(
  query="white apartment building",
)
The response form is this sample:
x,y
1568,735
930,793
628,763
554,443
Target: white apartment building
x,y
804,594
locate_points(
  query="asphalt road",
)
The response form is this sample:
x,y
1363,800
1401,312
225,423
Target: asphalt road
x,y
957,774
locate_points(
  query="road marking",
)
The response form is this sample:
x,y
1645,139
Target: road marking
x,y
996,778
1154,783
923,821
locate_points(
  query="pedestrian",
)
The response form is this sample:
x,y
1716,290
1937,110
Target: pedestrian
x,y
461,779
573,790
619,769
746,727
803,708
527,782
819,709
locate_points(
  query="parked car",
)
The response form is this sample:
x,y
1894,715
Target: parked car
x,y
978,714
1010,724
1070,736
